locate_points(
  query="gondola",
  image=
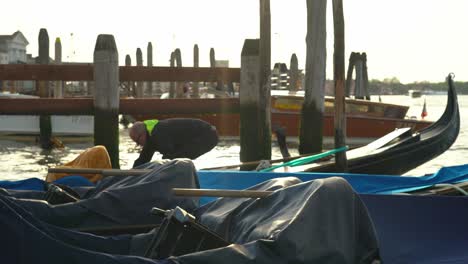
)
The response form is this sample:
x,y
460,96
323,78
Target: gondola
x,y
408,152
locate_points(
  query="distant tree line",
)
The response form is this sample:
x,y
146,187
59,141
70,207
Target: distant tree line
x,y
394,86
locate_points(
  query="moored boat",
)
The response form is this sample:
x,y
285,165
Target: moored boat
x,y
415,93
366,120
407,153
62,125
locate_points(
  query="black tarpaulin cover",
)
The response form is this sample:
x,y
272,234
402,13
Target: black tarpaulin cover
x,y
322,221
121,200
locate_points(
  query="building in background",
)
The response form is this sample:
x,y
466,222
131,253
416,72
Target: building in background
x,y
13,51
13,48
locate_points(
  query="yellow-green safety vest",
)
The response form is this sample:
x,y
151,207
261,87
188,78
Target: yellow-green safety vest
x,y
150,124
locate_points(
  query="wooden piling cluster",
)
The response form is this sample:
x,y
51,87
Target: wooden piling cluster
x,y
358,62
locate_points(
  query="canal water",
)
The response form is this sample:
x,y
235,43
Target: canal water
x,y
20,159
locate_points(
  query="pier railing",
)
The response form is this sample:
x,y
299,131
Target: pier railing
x,y
84,106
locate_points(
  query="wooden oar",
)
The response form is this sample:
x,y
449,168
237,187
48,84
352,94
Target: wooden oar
x,y
104,172
257,162
306,160
220,193
136,172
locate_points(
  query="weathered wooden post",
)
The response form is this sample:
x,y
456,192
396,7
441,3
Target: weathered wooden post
x,y
178,57
13,86
213,65
196,90
179,85
349,76
310,140
365,76
265,48
139,85
358,85
255,126
45,123
293,73
90,87
58,89
130,84
128,60
106,96
339,76
172,84
149,62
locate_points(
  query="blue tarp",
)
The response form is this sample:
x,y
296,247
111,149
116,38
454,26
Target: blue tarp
x,y
420,229
362,183
238,180
36,184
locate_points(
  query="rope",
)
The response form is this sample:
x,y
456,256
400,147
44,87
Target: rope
x,y
452,186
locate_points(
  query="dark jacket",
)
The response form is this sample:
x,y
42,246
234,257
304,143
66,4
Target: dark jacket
x,y
179,138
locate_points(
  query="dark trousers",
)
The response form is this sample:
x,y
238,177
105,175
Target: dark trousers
x,y
198,146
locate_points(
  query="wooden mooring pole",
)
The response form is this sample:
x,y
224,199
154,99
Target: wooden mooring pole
x,y
311,133
149,63
130,85
106,96
293,73
195,85
179,92
339,77
45,123
213,65
255,128
58,89
172,85
365,76
139,62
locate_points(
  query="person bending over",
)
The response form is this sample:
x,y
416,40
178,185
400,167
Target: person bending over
x,y
173,138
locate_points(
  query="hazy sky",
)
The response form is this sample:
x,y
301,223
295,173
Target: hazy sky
x,y
413,40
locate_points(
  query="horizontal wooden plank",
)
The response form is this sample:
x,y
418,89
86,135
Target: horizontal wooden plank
x,y
33,106
85,106
166,74
50,72
179,106
85,72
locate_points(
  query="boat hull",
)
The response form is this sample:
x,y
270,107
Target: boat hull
x,y
61,125
359,129
366,120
